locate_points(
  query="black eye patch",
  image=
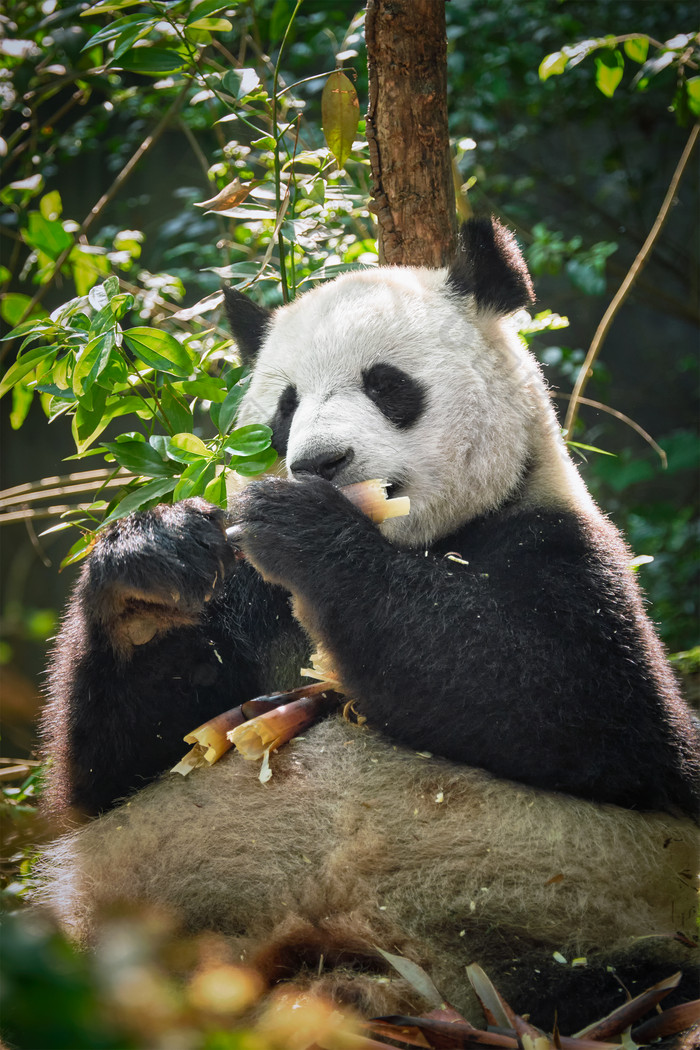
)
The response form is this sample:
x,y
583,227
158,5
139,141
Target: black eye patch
x,y
397,396
282,419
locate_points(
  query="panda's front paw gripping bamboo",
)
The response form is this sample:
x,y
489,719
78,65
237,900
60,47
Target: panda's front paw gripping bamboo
x,y
262,725
368,496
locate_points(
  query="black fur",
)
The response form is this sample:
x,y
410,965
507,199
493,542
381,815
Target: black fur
x,y
488,663
397,396
248,323
118,711
489,266
282,419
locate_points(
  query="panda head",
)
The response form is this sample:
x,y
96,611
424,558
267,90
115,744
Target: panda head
x,y
415,376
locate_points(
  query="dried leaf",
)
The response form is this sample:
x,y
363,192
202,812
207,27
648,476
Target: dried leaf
x,y
618,1020
670,1022
340,115
415,975
496,1010
230,197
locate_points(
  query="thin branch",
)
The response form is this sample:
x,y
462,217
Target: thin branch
x,y
625,419
626,286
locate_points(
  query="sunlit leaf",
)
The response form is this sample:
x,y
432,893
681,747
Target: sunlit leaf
x,y
637,49
252,465
248,440
340,115
187,448
231,196
13,306
195,479
23,366
552,65
609,69
208,7
692,87
211,25
46,235
79,550
159,350
240,82
215,491
141,496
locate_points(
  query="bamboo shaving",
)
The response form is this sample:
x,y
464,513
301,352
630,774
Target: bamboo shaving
x,y
192,760
265,773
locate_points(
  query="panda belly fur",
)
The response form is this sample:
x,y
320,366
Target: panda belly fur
x,y
497,627
357,843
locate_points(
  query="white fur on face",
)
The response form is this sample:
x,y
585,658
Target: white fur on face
x,y
466,453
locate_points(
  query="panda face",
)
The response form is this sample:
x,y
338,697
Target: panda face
x,y
390,374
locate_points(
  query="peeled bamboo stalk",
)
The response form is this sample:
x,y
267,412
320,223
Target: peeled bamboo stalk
x,y
269,731
371,498
211,740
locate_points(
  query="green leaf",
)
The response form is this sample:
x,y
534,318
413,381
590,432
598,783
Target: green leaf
x,y
252,465
140,458
206,388
637,49
249,440
22,399
187,448
215,491
591,448
195,479
92,361
46,235
340,115
89,425
211,25
139,497
116,28
80,548
176,410
159,350
128,37
13,306
692,87
240,82
109,5
610,66
50,205
552,65
203,10
229,408
154,60
24,365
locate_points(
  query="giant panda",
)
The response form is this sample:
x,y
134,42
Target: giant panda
x,y
526,780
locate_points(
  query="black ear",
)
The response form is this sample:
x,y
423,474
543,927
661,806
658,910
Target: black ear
x,y
247,322
489,266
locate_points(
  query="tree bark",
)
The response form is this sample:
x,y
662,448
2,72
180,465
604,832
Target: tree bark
x,y
413,191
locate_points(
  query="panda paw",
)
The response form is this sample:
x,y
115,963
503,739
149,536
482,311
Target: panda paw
x,y
291,531
156,570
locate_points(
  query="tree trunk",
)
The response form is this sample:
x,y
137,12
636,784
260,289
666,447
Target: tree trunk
x,y
409,148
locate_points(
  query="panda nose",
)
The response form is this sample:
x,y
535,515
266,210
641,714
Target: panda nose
x,y
326,465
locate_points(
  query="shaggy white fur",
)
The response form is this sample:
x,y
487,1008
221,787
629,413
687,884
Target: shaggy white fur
x,y
468,452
